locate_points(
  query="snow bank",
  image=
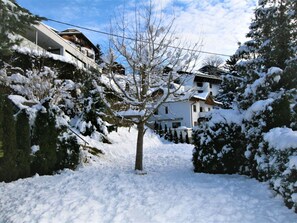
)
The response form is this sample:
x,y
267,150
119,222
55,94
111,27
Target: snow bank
x,y
281,138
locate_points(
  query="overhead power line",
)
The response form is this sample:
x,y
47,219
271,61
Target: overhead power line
x,y
129,38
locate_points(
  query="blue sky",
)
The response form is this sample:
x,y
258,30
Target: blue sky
x,y
220,24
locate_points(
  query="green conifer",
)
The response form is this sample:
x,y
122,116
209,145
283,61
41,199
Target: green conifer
x,y
68,153
8,165
187,138
13,20
181,139
175,137
23,144
45,136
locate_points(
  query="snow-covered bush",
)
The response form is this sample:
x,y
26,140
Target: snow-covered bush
x,y
67,151
219,144
280,163
54,146
45,137
33,84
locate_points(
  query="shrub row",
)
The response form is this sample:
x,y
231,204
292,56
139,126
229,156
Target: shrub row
x,y
41,148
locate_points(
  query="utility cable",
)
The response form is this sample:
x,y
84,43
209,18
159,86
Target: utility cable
x,y
129,38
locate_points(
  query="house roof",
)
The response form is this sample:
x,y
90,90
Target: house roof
x,y
205,96
79,34
200,77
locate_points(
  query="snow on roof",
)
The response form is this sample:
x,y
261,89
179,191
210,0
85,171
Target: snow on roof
x,y
36,52
201,96
207,77
130,113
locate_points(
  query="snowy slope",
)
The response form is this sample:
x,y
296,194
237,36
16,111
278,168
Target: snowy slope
x,y
109,191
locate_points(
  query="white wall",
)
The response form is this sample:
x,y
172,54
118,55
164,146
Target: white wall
x,y
215,89
183,112
177,112
206,88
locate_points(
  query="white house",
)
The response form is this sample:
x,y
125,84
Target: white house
x,y
187,112
71,44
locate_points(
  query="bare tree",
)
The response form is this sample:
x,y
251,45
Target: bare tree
x,y
214,61
153,58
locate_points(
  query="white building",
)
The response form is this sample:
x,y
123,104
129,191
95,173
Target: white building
x,y
187,112
71,44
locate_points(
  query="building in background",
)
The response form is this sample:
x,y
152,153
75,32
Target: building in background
x,y
186,111
72,45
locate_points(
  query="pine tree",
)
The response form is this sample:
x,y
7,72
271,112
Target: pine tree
x,y
170,135
13,20
187,138
175,137
156,127
98,55
181,139
160,131
165,129
165,132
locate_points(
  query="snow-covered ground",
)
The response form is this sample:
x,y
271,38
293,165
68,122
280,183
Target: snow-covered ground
x,y
110,191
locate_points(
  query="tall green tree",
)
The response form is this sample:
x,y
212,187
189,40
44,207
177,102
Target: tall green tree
x,y
98,55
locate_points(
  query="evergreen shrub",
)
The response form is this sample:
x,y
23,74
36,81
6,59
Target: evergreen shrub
x,y
223,154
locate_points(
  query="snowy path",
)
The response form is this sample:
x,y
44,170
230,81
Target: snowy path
x,y
170,192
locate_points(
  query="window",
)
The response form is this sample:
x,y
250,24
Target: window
x,y
210,85
166,110
201,109
210,93
176,124
156,112
195,124
199,84
209,109
194,108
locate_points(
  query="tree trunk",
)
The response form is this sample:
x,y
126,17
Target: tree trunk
x,y
139,147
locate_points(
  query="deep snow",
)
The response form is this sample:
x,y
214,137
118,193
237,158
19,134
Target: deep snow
x,y
110,191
